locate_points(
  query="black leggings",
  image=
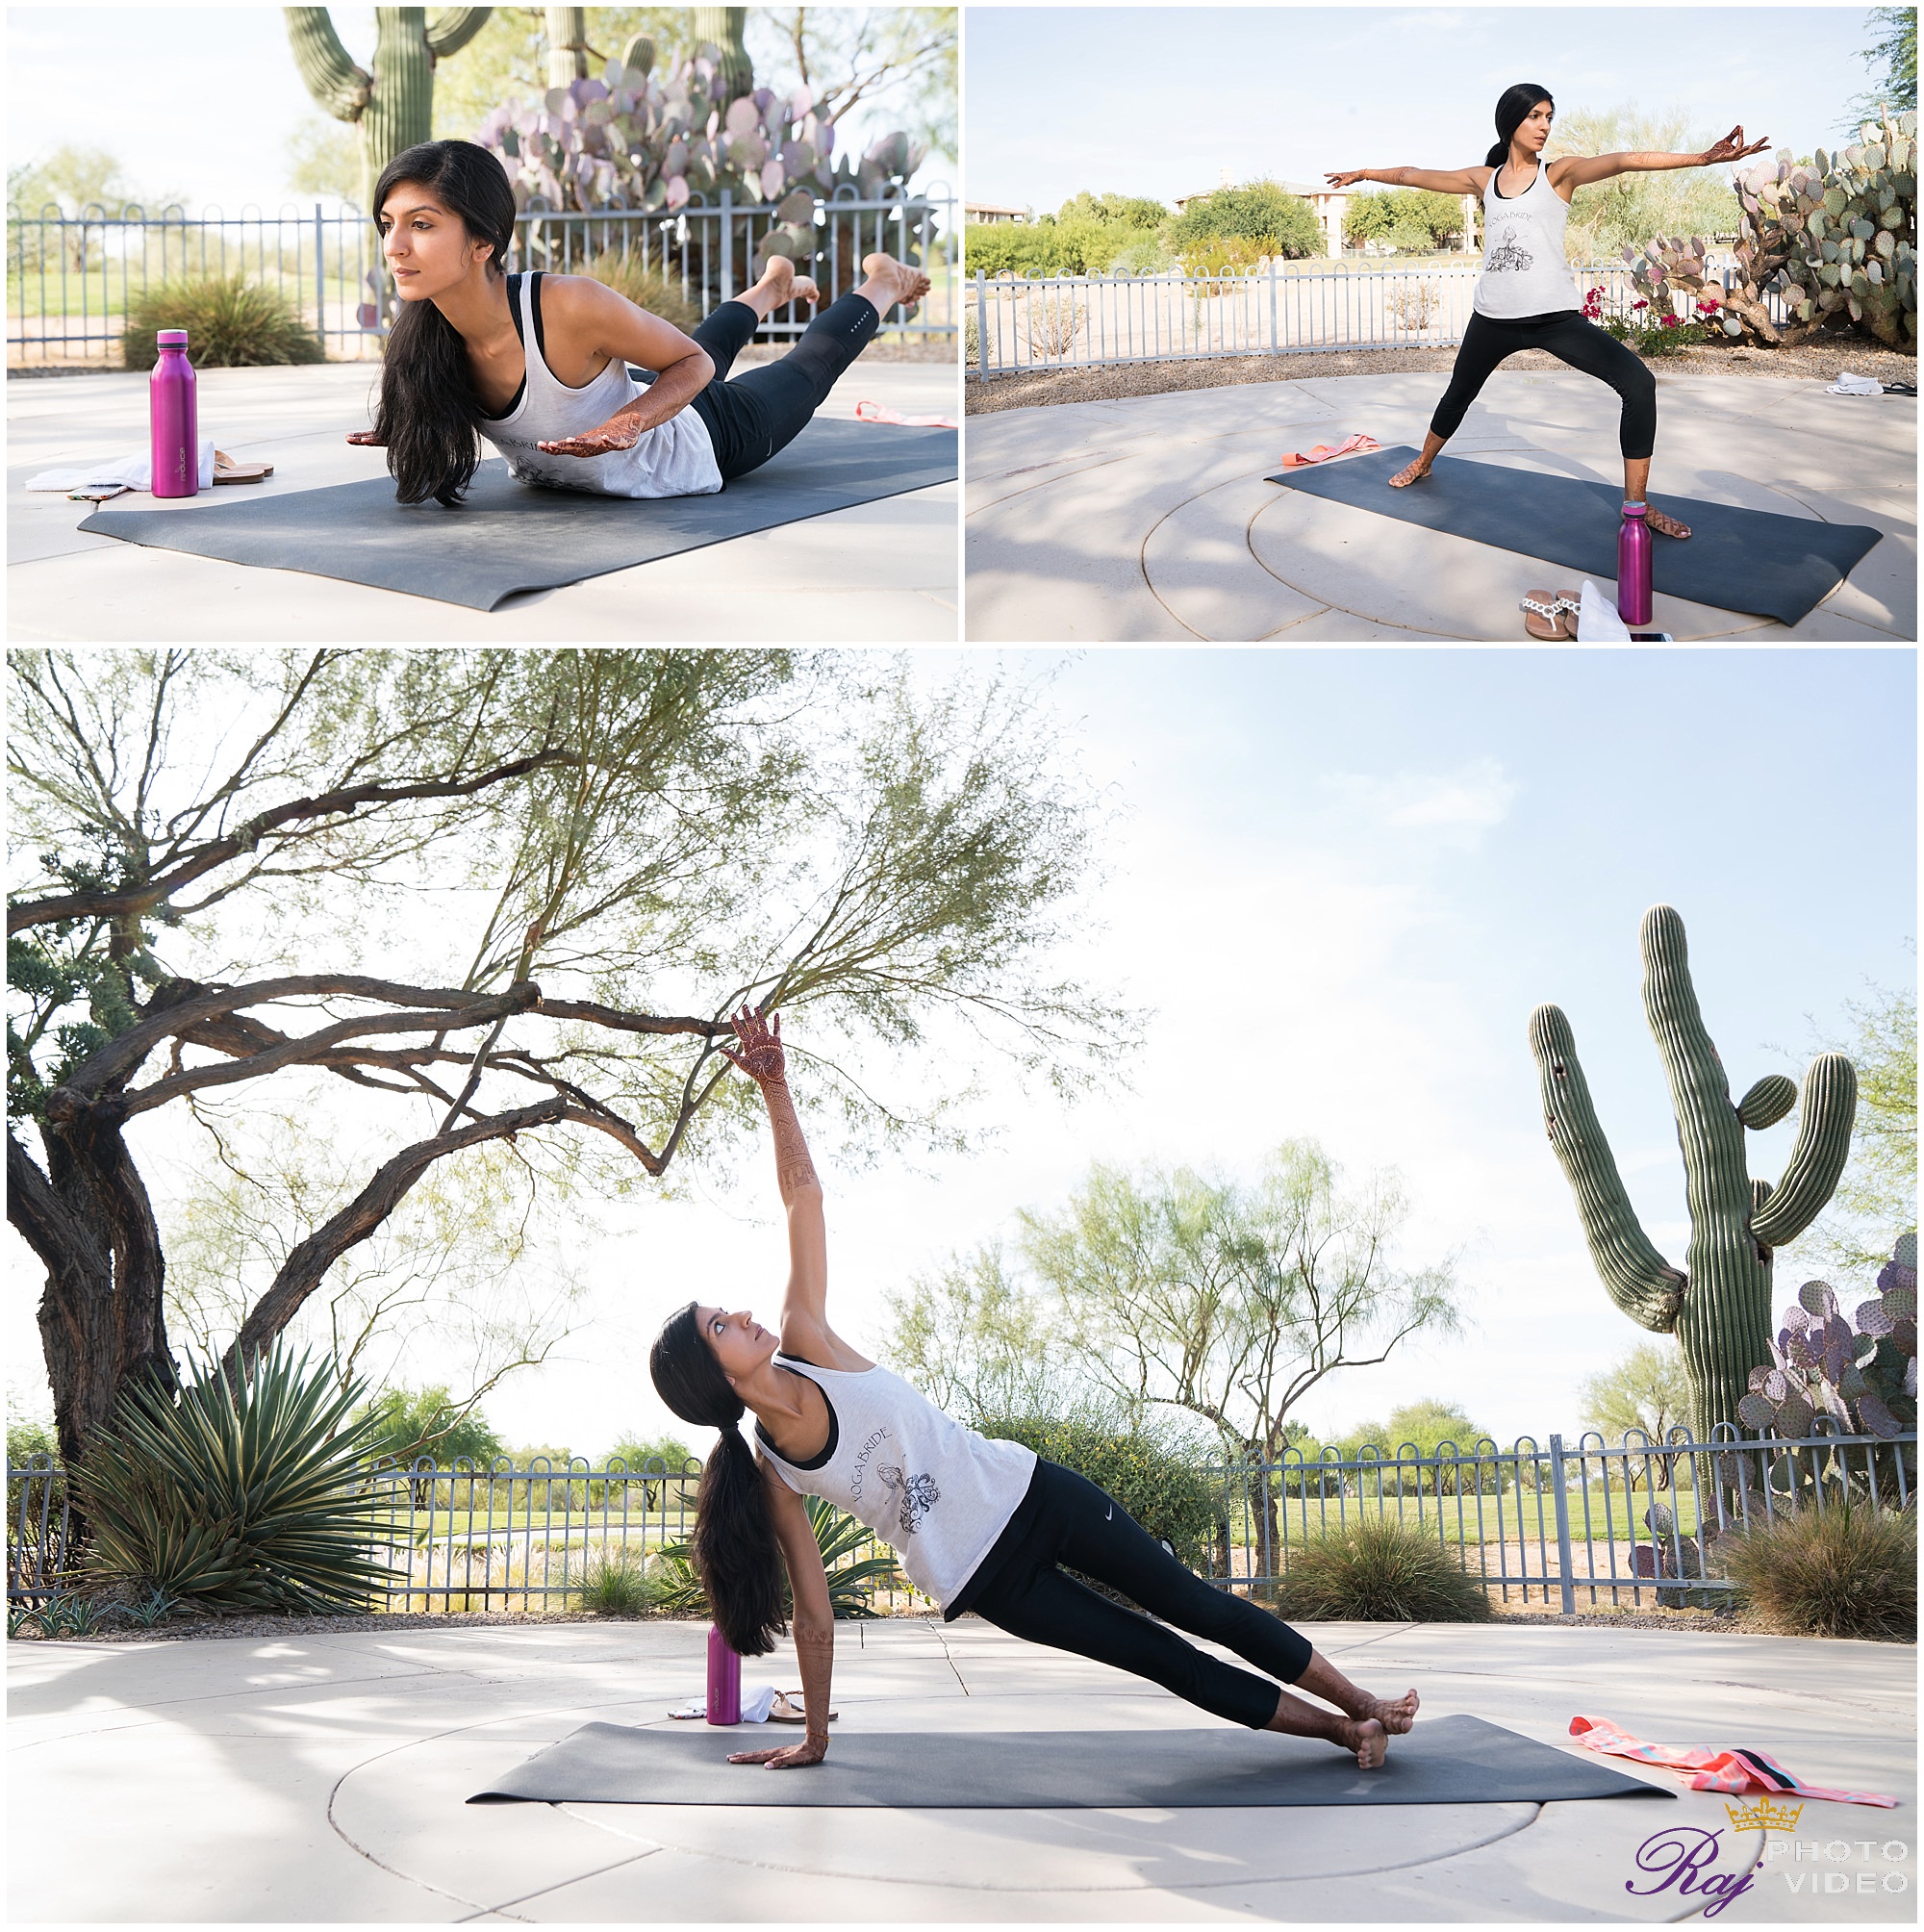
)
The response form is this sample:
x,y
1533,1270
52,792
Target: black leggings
x,y
1079,1525
766,407
1570,339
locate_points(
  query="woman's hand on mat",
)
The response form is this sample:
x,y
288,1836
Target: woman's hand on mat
x,y
761,1056
367,437
790,1758
621,431
1732,148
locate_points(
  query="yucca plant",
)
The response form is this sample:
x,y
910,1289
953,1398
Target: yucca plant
x,y
235,1497
1846,1570
230,321
629,275
1378,1571
614,1586
838,1535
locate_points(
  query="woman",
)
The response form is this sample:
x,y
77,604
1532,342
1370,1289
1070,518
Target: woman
x,y
539,364
1526,297
978,1525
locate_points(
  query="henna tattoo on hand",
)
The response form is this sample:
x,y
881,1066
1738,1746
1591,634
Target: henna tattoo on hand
x,y
762,1059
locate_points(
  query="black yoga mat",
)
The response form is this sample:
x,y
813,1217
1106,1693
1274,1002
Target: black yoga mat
x,y
507,537
1741,560
1454,1761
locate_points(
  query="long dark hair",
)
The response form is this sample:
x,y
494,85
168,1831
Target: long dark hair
x,y
428,412
1513,108
735,1554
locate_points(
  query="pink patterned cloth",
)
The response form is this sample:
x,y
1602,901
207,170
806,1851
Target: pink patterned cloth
x,y
1736,1770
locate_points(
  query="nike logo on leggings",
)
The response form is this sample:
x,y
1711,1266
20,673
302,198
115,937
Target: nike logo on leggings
x,y
1111,1517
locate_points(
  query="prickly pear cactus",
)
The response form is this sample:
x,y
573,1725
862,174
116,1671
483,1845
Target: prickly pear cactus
x,y
1861,1370
1837,239
657,140
1718,1304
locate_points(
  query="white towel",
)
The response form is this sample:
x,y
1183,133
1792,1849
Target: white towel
x,y
131,473
1598,622
758,1701
1848,384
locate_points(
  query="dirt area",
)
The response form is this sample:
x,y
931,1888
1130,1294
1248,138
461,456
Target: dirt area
x,y
1823,357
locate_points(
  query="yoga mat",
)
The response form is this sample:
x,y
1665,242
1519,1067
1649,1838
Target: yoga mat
x,y
1452,1761
1741,560
506,537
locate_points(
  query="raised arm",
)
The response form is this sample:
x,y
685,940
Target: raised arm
x,y
1455,181
761,1058
814,1627
1576,171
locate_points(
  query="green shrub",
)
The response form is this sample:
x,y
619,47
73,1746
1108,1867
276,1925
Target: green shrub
x,y
1153,1476
230,323
1377,1571
1011,249
647,290
1283,222
851,1586
1847,1571
235,1499
614,1586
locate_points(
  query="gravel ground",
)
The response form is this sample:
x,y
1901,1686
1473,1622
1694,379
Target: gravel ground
x,y
1821,358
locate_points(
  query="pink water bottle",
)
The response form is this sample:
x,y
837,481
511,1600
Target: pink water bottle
x,y
174,418
1634,565
725,1681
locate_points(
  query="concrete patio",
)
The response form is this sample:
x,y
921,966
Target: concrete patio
x,y
1148,519
322,1778
880,572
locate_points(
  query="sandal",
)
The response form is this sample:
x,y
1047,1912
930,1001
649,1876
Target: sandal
x,y
1544,615
787,1710
227,470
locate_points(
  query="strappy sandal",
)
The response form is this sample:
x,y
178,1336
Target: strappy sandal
x,y
787,1710
1544,615
227,470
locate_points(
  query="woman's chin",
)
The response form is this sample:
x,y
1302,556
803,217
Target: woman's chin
x,y
410,290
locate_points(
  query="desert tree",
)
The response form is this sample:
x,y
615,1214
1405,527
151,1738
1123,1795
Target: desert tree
x,y
514,896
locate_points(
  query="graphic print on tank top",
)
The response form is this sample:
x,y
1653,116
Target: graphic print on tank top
x,y
918,1494
1509,256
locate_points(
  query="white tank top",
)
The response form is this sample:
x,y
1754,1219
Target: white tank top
x,y
1524,269
934,1490
677,458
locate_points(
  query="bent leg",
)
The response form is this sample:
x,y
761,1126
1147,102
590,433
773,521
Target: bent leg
x,y
1485,344
1585,346
766,407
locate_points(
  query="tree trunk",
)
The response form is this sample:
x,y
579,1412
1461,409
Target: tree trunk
x,y
101,1317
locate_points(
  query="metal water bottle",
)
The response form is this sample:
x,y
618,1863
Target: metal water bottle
x,y
1634,565
725,1681
173,419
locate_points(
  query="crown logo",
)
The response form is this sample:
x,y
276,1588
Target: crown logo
x,y
1764,1816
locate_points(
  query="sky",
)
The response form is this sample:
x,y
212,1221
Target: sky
x,y
1339,882
1158,102
131,74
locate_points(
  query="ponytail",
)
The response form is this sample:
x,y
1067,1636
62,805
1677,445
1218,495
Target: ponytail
x,y
735,1549
1513,109
429,415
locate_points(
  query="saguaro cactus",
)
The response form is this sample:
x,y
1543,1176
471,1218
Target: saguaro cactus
x,y
393,108
1718,1303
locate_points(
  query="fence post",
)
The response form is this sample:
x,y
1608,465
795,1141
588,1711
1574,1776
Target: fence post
x,y
319,281
1274,342
728,244
981,326
1565,1561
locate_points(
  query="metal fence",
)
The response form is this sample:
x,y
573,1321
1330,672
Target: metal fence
x,y
1638,1519
71,278
1635,1521
1016,327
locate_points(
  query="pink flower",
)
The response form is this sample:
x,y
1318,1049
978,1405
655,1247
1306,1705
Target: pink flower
x,y
1670,321
1639,305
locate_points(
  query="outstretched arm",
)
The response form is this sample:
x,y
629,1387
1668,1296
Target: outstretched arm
x,y
1453,180
1576,171
761,1058
814,1628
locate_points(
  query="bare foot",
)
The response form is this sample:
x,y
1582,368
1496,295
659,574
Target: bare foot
x,y
367,437
899,282
1370,1741
1409,475
1396,1714
1664,525
781,285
